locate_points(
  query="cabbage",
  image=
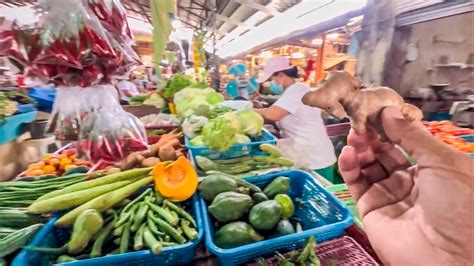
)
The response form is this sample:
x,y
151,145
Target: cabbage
x,y
197,141
192,101
193,125
156,100
240,138
251,123
219,134
233,118
215,98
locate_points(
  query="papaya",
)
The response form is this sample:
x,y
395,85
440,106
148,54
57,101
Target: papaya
x,y
212,185
229,206
287,206
265,215
259,197
284,227
236,234
279,185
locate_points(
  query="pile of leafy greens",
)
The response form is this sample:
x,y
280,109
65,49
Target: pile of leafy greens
x,y
194,101
230,128
176,83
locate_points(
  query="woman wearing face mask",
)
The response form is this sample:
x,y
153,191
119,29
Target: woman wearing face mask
x,y
305,139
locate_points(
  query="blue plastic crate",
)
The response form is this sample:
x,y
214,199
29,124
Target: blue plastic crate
x,y
321,215
44,97
50,236
468,138
13,126
236,150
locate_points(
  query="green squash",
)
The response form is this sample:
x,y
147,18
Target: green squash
x,y
279,185
287,206
259,197
265,215
229,206
284,227
236,234
212,185
87,224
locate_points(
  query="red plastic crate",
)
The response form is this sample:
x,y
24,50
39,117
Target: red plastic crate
x,y
361,238
343,250
338,129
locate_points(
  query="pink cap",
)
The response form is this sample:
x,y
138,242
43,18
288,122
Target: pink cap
x,y
275,64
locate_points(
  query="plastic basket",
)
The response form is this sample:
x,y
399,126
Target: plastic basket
x,y
321,215
361,238
44,98
236,150
49,236
338,129
13,126
342,192
343,251
468,138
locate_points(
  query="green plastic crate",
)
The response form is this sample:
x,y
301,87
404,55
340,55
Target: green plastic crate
x,y
342,192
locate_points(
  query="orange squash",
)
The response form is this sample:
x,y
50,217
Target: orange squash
x,y
176,181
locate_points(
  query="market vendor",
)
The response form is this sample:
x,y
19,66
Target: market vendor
x,y
126,90
305,139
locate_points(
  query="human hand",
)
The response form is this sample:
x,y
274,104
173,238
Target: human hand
x,y
413,215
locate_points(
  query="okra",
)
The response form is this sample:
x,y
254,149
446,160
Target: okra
x,y
151,242
190,233
140,216
152,226
138,239
124,240
168,217
181,212
101,237
168,229
137,199
158,198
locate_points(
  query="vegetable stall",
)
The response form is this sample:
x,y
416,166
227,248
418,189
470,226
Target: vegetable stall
x,y
196,181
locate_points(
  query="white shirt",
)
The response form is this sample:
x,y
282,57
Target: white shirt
x,y
307,140
125,85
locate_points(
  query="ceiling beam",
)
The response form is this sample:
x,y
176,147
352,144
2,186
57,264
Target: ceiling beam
x,y
192,13
203,7
257,6
230,20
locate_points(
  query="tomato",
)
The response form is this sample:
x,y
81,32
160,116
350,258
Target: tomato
x,y
49,169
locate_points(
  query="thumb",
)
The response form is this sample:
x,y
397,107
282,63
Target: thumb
x,y
414,138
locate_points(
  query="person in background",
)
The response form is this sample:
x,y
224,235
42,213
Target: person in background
x,y
301,126
126,90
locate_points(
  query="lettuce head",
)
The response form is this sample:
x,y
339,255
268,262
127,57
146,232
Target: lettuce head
x,y
251,123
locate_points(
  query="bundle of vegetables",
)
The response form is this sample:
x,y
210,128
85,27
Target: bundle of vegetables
x,y
246,164
229,128
64,163
23,193
149,99
159,120
147,222
305,256
194,101
446,126
7,107
244,213
176,83
17,227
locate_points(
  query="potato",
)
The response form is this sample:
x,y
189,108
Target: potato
x,y
154,149
130,161
150,161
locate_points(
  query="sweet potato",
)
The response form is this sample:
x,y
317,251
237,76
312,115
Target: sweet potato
x,y
150,161
167,153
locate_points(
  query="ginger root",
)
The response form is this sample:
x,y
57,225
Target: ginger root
x,y
341,96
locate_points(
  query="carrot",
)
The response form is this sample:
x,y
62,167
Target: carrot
x,y
103,202
73,199
125,175
165,138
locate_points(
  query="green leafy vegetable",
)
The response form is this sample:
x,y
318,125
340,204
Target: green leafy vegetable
x,y
176,83
251,122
